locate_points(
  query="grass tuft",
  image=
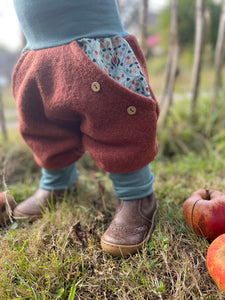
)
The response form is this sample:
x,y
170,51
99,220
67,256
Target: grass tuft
x,y
59,256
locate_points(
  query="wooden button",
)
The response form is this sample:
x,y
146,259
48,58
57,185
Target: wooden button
x,y
131,110
95,86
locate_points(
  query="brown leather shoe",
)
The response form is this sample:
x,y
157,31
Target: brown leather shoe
x,y
131,227
33,207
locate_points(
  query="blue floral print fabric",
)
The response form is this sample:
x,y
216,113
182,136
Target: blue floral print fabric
x,y
115,56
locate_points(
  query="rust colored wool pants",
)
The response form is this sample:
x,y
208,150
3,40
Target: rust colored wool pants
x,y
67,105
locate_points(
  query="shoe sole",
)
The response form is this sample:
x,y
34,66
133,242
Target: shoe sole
x,y
23,217
126,250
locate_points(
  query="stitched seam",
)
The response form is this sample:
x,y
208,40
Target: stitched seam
x,y
140,212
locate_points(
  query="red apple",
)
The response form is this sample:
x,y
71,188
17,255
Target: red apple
x,y
7,204
204,212
216,261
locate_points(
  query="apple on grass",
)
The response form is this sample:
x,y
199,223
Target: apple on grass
x,y
204,212
216,261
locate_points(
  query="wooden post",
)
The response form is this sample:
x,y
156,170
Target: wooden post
x,y
199,44
172,63
220,49
144,27
2,118
219,62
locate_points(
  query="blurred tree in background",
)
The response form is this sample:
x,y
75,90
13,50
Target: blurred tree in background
x,y
214,17
186,23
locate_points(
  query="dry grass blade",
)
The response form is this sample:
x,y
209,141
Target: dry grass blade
x,y
101,191
10,203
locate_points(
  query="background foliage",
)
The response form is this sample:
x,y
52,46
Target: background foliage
x,y
186,20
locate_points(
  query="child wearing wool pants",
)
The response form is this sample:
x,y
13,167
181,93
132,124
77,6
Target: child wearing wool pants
x,y
81,84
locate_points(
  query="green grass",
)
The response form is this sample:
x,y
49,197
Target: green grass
x,y
43,260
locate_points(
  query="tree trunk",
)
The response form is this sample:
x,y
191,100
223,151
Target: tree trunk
x,y
2,118
197,65
144,27
219,52
219,62
172,63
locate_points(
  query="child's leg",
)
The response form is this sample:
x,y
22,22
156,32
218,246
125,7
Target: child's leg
x,y
53,185
60,179
134,185
133,223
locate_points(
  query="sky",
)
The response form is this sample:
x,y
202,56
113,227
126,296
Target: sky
x,y
9,27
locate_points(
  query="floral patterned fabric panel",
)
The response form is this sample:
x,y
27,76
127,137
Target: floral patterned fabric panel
x,y
115,56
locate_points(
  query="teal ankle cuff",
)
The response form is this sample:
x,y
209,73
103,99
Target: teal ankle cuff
x,y
134,185
60,179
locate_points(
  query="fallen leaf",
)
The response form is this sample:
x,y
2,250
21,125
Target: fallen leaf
x,y
78,236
